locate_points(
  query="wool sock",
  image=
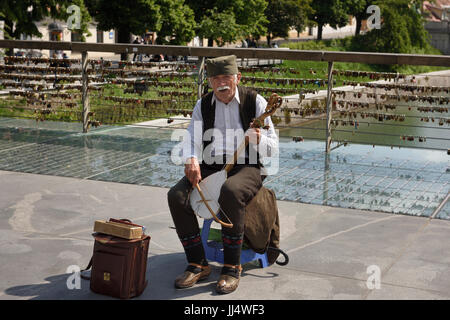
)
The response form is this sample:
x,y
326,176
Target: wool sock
x,y
193,248
232,246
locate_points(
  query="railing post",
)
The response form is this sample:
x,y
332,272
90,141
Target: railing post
x,y
84,90
326,177
396,84
201,77
375,94
329,107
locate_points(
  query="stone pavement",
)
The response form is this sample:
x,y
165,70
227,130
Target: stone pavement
x,y
46,224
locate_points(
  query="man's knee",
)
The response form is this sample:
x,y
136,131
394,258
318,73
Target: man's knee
x,y
229,192
175,196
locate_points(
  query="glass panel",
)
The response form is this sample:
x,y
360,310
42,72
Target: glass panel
x,y
406,181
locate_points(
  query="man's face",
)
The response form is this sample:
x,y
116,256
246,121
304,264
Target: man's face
x,y
224,86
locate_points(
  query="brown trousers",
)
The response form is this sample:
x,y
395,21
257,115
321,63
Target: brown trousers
x,y
242,184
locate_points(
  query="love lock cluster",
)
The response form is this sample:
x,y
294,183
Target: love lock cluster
x,y
350,104
58,80
156,83
378,116
41,114
413,138
304,112
344,123
134,100
269,90
42,70
286,81
272,70
54,61
94,123
441,121
433,109
130,64
409,88
176,93
387,76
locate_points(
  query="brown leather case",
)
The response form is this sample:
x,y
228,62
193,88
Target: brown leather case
x,y
119,266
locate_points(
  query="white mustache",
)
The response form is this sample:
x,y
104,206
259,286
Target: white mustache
x,y
222,88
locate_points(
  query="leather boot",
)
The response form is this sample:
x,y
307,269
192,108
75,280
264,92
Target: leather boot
x,y
193,273
229,279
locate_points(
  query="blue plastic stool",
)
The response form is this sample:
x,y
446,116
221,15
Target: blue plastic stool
x,y
214,249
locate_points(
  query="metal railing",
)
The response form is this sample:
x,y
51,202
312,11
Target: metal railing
x,y
245,53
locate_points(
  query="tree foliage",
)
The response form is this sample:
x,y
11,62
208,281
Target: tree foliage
x,y
331,12
127,17
21,16
220,27
285,14
357,8
402,29
171,19
229,20
226,21
133,16
177,23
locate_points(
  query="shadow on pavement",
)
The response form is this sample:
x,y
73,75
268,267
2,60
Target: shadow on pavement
x,y
162,270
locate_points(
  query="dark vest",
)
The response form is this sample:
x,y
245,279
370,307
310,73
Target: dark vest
x,y
247,111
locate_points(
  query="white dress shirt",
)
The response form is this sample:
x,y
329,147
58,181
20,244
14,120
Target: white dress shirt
x,y
228,132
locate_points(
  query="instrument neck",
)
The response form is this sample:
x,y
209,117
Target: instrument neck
x,y
230,164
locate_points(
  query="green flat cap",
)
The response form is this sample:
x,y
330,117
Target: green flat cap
x,y
221,66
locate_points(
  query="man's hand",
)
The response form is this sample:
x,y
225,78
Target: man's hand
x,y
192,171
253,134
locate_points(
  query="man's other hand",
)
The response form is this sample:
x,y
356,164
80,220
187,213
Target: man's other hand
x,y
192,171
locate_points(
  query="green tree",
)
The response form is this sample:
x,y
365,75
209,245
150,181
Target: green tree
x,y
85,16
229,20
177,23
21,16
220,27
171,19
127,17
402,30
285,14
357,8
331,12
250,16
301,20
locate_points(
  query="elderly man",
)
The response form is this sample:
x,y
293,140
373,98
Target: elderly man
x,y
227,112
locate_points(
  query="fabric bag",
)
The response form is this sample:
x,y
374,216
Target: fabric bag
x,y
262,225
